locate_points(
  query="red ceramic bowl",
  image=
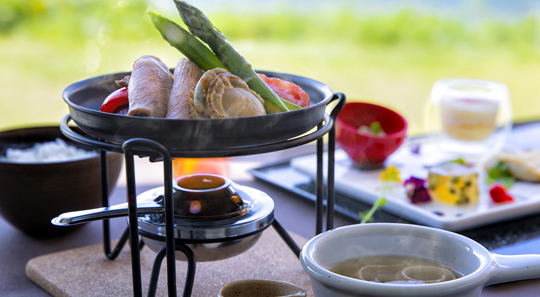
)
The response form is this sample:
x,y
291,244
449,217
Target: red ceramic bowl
x,y
369,151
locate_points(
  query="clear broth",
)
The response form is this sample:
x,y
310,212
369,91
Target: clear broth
x,y
396,270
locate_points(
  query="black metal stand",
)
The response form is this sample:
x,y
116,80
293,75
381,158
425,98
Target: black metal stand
x,y
157,152
190,277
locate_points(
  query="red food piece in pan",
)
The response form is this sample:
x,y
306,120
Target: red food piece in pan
x,y
116,102
287,90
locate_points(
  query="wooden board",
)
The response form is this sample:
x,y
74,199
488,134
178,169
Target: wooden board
x,y
87,272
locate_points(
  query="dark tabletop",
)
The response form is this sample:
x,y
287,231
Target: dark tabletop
x,y
295,213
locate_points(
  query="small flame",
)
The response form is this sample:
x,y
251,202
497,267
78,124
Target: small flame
x,y
188,166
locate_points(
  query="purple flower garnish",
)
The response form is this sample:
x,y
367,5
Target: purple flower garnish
x,y
415,148
416,190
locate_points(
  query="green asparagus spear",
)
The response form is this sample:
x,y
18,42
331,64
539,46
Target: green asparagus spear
x,y
186,43
290,105
200,26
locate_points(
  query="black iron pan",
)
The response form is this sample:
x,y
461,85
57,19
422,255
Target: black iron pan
x,y
84,99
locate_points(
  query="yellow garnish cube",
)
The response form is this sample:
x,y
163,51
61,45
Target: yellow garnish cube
x,y
454,184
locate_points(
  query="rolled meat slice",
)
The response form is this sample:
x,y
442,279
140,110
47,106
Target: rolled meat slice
x,y
186,76
149,88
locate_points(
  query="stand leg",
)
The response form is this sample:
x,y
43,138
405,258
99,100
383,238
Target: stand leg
x,y
190,278
133,224
105,203
127,147
154,276
330,194
169,226
330,179
111,255
287,238
319,206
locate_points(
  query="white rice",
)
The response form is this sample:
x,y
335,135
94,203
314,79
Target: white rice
x,y
48,152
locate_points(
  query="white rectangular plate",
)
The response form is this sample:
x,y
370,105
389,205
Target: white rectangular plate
x,y
365,186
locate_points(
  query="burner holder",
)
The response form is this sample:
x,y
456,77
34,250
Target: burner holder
x,y
157,152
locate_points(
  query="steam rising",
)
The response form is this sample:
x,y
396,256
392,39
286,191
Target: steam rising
x,y
91,51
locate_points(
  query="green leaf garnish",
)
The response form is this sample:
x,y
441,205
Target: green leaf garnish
x,y
458,161
506,181
367,216
499,170
500,173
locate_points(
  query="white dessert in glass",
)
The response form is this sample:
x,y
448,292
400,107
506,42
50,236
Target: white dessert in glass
x,y
468,119
475,117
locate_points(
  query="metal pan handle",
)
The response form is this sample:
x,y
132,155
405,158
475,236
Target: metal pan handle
x,y
339,105
115,211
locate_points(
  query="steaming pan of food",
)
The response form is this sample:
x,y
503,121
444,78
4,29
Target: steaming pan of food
x,y
213,99
84,99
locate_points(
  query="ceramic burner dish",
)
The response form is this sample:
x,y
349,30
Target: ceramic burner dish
x,y
216,218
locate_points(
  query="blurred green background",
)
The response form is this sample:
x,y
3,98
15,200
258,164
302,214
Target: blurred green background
x,y
390,54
